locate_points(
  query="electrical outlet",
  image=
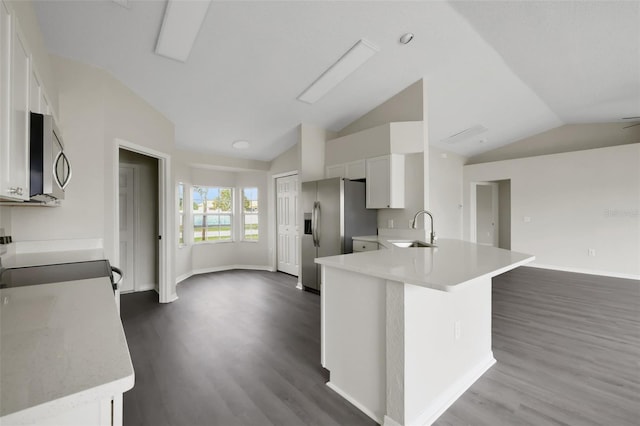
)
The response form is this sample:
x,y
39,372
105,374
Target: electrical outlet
x,y
457,330
526,219
592,252
390,224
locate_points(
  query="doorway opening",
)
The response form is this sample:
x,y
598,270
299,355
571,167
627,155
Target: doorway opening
x,y
490,216
163,230
139,224
287,224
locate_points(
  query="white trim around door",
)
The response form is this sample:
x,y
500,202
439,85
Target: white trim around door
x,y
167,288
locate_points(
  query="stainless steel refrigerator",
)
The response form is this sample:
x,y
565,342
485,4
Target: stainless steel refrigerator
x,y
334,212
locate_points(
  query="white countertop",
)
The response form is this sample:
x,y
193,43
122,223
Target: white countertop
x,y
61,345
51,258
449,265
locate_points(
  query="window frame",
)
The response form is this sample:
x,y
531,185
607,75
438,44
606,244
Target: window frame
x,y
205,213
181,214
243,236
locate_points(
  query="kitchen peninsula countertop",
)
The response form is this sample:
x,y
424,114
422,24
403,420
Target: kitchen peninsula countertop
x,y
61,345
446,267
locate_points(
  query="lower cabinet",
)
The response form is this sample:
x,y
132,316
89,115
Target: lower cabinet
x,y
361,245
107,412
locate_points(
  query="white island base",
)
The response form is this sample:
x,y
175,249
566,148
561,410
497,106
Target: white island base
x,y
404,352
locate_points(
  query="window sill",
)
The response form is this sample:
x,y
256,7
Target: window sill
x,y
211,242
250,241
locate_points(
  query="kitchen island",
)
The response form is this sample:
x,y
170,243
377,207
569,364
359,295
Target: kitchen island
x,y
65,359
405,331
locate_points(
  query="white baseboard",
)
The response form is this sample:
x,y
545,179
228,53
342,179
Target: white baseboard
x,y
357,404
146,287
453,392
585,271
183,277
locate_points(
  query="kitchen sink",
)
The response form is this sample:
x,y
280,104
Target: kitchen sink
x,y
410,243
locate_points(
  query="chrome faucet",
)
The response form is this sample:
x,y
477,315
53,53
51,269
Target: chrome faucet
x,y
415,219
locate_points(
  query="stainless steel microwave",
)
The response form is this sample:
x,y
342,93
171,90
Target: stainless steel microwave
x,y
50,170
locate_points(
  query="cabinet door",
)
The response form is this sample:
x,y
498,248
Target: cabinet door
x,y
378,182
18,146
35,93
337,170
5,98
385,182
356,170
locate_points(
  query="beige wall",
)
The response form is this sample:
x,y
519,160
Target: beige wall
x,y
567,138
575,201
407,105
312,160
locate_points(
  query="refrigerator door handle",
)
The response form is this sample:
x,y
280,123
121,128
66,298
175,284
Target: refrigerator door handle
x,y
314,223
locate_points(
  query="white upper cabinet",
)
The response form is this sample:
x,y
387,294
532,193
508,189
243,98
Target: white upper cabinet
x,y
385,182
14,142
355,170
337,170
352,170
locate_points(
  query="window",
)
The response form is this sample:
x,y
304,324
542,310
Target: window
x,y
250,214
212,214
180,214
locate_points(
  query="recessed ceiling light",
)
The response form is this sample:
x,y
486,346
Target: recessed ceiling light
x,y
180,27
241,145
346,65
406,38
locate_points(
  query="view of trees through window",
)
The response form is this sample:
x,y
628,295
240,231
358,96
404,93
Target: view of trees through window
x,y
250,213
212,214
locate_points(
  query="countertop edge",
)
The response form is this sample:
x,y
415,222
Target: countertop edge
x,y
68,402
422,282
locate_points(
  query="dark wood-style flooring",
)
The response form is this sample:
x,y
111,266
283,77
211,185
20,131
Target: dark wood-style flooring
x,y
237,348
243,348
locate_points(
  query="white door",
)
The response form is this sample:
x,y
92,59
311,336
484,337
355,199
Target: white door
x,y
288,224
127,228
487,214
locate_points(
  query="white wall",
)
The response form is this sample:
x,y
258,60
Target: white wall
x,y
575,201
445,192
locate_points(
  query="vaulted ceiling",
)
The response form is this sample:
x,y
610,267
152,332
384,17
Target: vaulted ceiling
x,y
516,68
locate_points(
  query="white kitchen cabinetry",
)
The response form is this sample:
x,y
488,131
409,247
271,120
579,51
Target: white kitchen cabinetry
x,y
362,245
385,182
338,170
352,170
356,170
14,142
